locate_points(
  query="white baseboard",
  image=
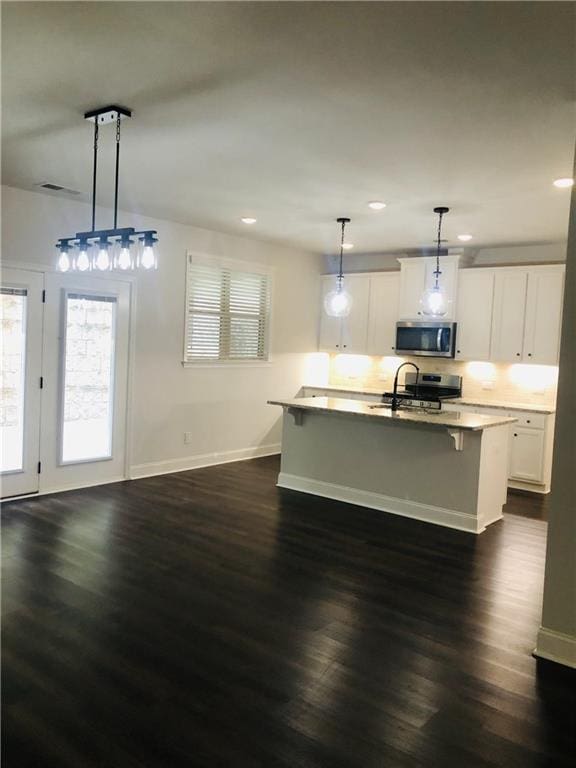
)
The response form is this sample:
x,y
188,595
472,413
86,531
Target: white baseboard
x,y
64,488
532,487
201,460
426,513
556,646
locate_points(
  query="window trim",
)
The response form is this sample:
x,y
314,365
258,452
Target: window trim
x,y
239,265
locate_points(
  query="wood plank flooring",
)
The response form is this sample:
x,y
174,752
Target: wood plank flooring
x,y
207,618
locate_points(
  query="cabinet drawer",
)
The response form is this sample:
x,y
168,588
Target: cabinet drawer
x,y
532,420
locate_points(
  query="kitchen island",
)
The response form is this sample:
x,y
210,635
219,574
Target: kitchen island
x,y
445,468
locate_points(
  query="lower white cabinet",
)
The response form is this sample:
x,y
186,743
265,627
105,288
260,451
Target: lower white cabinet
x,y
527,454
531,444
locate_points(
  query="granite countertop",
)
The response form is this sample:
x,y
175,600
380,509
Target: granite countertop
x,y
500,404
455,419
504,405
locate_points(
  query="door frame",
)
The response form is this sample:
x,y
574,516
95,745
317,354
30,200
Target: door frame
x,y
132,280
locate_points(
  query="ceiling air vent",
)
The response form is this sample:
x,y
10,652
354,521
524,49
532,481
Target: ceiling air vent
x,y
56,188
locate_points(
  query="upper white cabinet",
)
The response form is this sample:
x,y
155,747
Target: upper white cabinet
x,y
504,314
416,275
412,283
508,317
542,328
527,314
383,313
346,334
474,314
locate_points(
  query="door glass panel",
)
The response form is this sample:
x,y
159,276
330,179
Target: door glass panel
x,y
13,322
88,378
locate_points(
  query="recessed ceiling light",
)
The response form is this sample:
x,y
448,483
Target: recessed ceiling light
x,y
347,246
564,182
249,220
465,238
376,205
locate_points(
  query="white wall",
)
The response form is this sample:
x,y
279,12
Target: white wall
x,y
225,408
557,635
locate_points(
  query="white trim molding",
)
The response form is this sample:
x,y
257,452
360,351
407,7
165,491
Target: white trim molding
x,y
201,460
417,511
556,646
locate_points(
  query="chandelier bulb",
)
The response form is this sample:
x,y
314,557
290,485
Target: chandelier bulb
x,y
64,262
125,259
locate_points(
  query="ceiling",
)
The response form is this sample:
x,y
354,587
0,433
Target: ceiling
x,y
297,113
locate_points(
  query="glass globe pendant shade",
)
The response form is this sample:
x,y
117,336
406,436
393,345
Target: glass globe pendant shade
x,y
433,302
338,302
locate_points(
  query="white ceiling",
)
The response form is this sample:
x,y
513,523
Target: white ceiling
x,y
297,113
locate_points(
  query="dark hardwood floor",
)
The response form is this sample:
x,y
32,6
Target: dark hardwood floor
x,y
208,618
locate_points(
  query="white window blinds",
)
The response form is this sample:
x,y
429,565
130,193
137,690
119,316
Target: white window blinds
x,y
227,312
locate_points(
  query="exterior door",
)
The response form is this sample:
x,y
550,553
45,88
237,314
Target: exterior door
x,y
86,338
21,327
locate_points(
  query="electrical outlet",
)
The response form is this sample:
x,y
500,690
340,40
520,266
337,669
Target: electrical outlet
x,y
487,385
188,437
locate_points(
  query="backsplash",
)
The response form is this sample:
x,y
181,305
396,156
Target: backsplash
x,y
529,384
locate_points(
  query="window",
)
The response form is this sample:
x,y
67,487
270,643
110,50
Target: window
x,y
227,311
13,328
88,378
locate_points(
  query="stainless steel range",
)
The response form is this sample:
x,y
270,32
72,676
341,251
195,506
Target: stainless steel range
x,y
426,390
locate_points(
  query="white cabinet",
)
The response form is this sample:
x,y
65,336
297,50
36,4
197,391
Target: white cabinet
x,y
412,282
383,313
531,445
527,454
347,334
527,314
508,316
417,274
543,316
474,314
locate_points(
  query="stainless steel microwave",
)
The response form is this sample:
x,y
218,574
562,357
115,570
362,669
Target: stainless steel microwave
x,y
431,339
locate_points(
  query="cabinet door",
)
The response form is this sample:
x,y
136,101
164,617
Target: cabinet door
x,y
412,282
448,280
508,315
383,313
527,454
330,327
474,314
543,316
355,326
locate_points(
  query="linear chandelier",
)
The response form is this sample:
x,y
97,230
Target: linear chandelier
x,y
103,250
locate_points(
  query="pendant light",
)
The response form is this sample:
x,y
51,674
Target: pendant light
x,y
102,250
433,300
338,302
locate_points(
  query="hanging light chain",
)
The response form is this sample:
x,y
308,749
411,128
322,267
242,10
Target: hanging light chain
x,y
340,273
439,240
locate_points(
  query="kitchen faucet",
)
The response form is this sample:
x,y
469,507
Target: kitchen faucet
x,y
394,405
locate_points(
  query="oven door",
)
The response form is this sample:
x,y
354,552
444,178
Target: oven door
x,y
426,339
